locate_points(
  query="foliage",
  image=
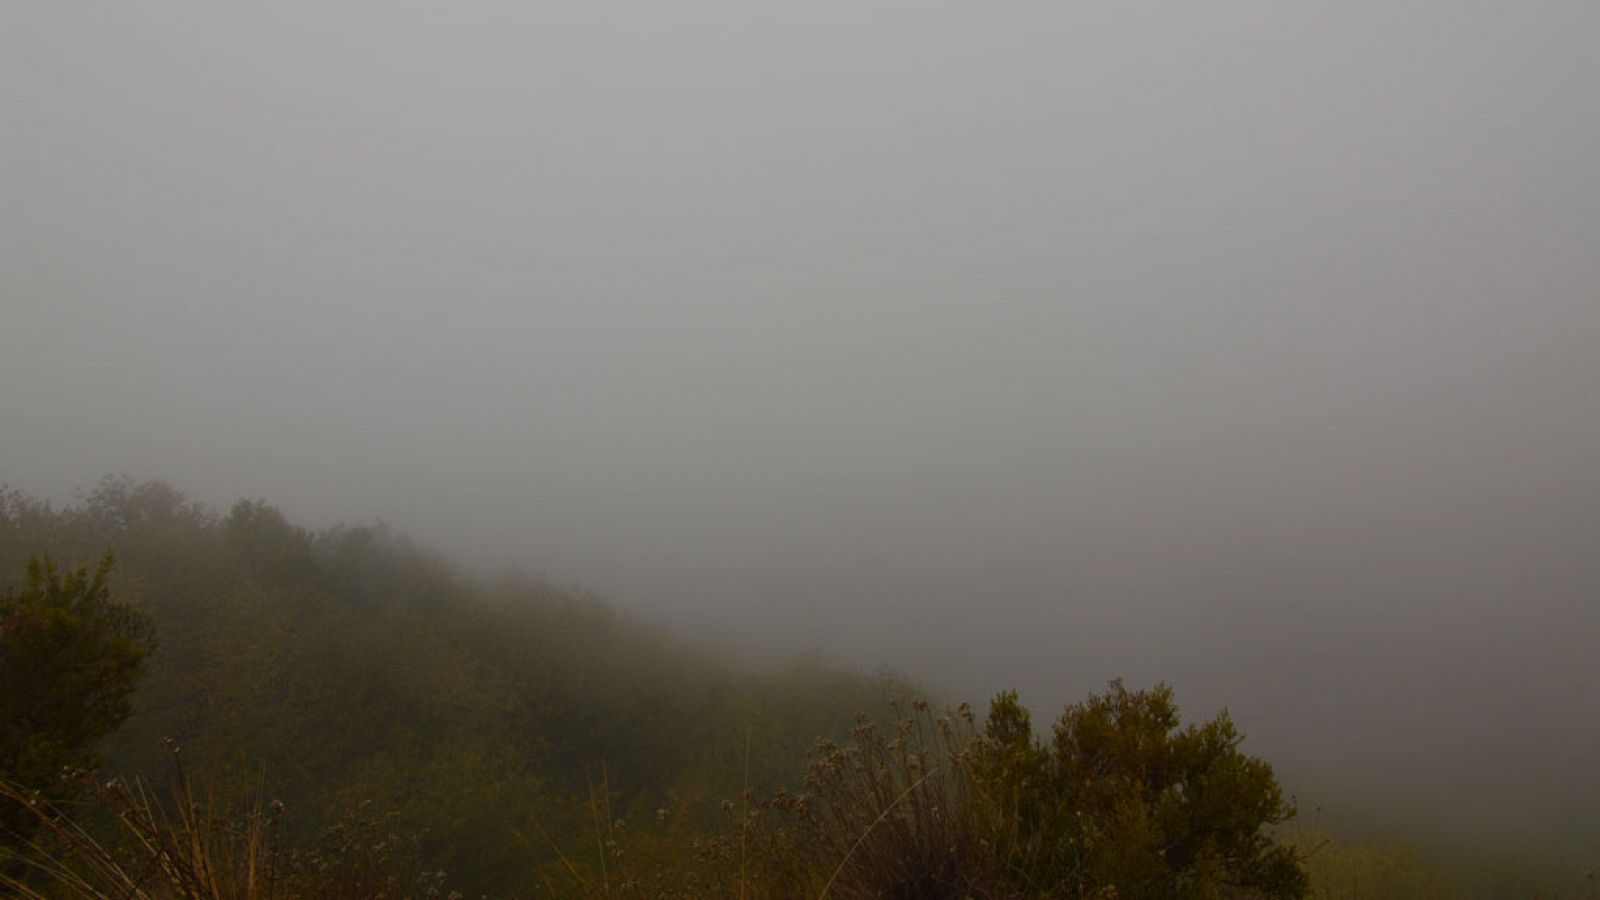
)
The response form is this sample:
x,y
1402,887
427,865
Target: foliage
x,y
1123,803
360,668
70,657
500,723
892,813
189,847
1162,810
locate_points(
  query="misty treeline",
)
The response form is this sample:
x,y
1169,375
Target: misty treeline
x,y
364,667
343,713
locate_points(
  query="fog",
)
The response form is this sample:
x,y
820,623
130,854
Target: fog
x,y
1248,346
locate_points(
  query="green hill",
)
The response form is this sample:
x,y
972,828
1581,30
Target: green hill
x,y
354,667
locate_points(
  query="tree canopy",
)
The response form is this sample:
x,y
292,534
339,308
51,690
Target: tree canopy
x,y
1124,795
70,657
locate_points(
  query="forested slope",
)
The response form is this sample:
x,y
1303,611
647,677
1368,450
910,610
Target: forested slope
x,y
348,672
351,666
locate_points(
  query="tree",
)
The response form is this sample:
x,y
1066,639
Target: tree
x,y
1125,801
70,657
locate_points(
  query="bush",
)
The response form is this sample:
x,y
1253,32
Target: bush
x,y
1122,802
1162,810
70,657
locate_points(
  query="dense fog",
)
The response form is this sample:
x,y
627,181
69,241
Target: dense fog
x,y
1248,346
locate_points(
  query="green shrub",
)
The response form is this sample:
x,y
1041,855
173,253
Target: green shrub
x,y
1122,802
70,657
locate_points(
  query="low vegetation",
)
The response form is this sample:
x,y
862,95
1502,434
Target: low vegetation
x,y
430,735
929,808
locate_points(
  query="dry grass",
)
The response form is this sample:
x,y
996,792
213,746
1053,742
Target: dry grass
x,y
895,812
926,807
124,841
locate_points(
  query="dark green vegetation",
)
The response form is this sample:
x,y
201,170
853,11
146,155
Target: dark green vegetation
x,y
69,660
361,669
1122,803
528,739
1123,795
1125,804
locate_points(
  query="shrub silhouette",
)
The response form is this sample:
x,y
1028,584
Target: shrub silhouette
x,y
1123,801
70,657
1159,810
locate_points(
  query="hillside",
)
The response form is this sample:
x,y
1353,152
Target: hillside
x,y
486,723
358,668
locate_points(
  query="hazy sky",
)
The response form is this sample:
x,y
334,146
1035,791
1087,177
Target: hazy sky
x,y
1253,346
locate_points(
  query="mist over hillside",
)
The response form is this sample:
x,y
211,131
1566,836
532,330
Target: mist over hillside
x,y
1248,347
